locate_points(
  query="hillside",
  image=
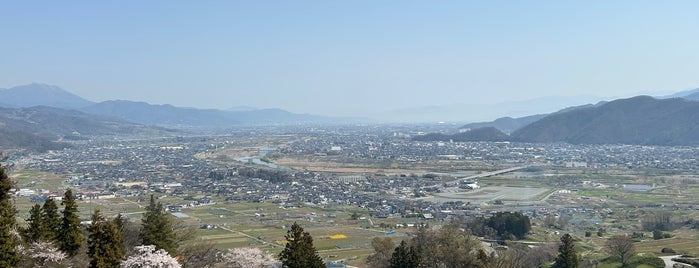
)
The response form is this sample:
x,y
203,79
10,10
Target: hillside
x,y
639,120
164,115
40,95
479,134
38,128
506,124
509,124
693,97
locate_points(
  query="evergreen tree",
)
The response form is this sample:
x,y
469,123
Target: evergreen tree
x,y
70,237
9,257
104,242
120,223
156,228
34,232
567,256
404,257
50,220
299,251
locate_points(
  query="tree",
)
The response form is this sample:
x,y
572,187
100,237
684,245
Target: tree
x,y
9,257
621,247
45,254
70,238
130,234
510,225
156,228
199,254
450,247
567,255
148,256
104,242
50,220
299,251
383,249
404,256
34,230
658,220
246,258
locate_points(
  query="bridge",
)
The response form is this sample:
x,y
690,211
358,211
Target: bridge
x,y
488,174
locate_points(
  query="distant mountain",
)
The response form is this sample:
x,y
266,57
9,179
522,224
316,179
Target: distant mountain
x,y
484,112
686,94
40,95
241,109
506,124
160,115
639,120
693,97
38,128
168,115
509,124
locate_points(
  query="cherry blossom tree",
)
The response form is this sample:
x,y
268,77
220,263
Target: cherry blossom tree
x,y
148,257
247,258
45,254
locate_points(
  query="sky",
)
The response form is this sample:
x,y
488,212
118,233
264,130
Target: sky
x,y
349,58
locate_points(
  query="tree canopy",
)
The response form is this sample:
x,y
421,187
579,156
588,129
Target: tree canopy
x,y
299,251
9,256
510,225
104,242
156,228
70,237
567,255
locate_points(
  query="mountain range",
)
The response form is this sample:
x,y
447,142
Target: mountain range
x,y
40,95
149,114
640,120
466,112
39,115
43,128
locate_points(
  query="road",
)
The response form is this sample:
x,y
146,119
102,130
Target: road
x,y
252,237
488,174
669,263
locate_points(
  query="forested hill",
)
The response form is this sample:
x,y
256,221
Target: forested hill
x,y
506,124
640,120
38,128
479,134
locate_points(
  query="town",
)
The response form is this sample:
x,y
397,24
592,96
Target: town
x,y
358,182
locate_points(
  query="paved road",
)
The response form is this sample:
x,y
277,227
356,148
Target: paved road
x,y
669,262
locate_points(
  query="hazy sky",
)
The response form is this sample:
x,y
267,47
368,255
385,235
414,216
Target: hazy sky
x,y
349,57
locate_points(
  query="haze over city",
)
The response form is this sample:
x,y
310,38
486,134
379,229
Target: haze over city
x,y
357,58
349,134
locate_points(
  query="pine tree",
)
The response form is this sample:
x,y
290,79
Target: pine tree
x,y
34,231
9,257
567,256
120,223
104,242
156,228
299,251
50,220
404,257
70,237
